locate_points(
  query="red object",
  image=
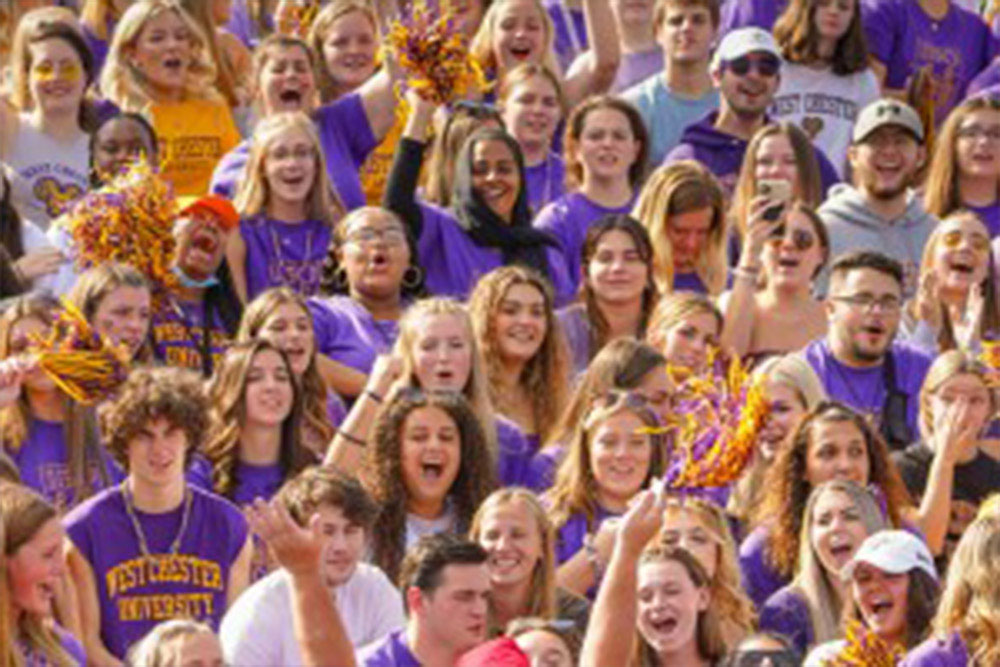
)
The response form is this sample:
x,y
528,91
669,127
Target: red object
x,y
502,652
219,207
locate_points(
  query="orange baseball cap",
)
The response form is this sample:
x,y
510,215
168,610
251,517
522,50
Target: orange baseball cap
x,y
220,207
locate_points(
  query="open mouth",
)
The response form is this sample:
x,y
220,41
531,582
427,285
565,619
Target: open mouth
x,y
664,626
290,96
842,552
173,64
355,62
881,608
521,51
431,471
962,267
788,263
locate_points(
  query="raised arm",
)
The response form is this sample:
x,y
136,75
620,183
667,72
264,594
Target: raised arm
x,y
594,71
401,188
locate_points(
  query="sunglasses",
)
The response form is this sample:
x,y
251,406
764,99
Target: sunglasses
x,y
953,239
765,65
801,239
760,658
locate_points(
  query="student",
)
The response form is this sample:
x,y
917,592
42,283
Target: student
x,y
201,315
158,65
177,643
956,302
858,360
31,570
825,80
117,302
120,538
618,293
948,469
258,629
488,224
533,107
770,309
605,160
51,69
645,584
758,13
438,177
545,640
614,434
98,20
34,261
684,92
838,516
965,168
345,36
641,55
527,362
893,591
513,527
747,70
53,439
879,210
952,42
683,208
428,467
446,584
684,328
287,210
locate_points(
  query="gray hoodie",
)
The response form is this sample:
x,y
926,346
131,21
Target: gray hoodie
x,y
854,226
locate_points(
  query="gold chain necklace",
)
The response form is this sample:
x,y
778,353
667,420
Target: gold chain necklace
x,y
141,535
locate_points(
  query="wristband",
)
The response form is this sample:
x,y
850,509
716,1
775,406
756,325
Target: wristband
x,y
352,439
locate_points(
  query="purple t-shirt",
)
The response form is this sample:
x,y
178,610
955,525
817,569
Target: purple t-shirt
x,y
569,536
937,652
904,38
391,652
346,332
545,181
985,81
453,263
760,580
568,219
98,46
178,335
284,254
346,138
515,453
543,466
746,13
576,329
254,482
689,282
69,643
136,594
570,38
44,464
990,215
637,67
864,388
787,613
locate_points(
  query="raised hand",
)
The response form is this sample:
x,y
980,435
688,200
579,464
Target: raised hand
x,y
296,549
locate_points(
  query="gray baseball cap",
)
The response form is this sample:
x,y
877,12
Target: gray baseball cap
x,y
887,112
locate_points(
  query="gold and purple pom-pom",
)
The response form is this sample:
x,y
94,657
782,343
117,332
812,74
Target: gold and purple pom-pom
x,y
990,357
864,648
718,417
84,364
434,53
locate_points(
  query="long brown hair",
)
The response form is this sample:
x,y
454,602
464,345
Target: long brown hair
x,y
22,514
941,195
786,488
797,37
545,378
574,132
383,468
228,413
315,418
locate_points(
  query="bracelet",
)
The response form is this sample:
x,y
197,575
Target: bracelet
x,y
746,273
593,558
352,439
372,395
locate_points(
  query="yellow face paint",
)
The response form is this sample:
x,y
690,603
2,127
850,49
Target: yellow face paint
x,y
46,72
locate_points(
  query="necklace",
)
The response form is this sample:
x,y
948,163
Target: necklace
x,y
302,276
141,535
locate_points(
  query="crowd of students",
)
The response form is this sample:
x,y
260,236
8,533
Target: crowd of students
x,y
413,388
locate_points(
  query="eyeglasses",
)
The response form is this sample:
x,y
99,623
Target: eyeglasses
x,y
478,110
390,236
781,658
868,302
974,132
953,239
765,65
802,239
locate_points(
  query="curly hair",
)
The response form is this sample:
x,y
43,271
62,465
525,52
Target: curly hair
x,y
545,378
174,394
315,423
228,413
383,476
786,487
575,487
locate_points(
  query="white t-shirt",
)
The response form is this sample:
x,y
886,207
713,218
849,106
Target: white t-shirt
x,y
52,174
257,629
824,105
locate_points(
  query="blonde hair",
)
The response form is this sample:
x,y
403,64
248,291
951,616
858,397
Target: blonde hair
x,y
812,581
941,195
255,192
153,650
476,389
794,372
736,612
945,367
679,188
672,309
225,81
543,576
320,30
22,514
481,47
969,604
94,14
526,72
121,80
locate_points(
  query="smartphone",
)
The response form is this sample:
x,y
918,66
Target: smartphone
x,y
778,191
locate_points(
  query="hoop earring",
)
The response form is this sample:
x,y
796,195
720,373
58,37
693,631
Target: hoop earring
x,y
412,277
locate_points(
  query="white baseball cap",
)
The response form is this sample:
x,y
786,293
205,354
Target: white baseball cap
x,y
887,112
740,42
893,551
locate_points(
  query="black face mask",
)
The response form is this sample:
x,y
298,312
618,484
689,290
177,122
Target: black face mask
x,y
782,658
